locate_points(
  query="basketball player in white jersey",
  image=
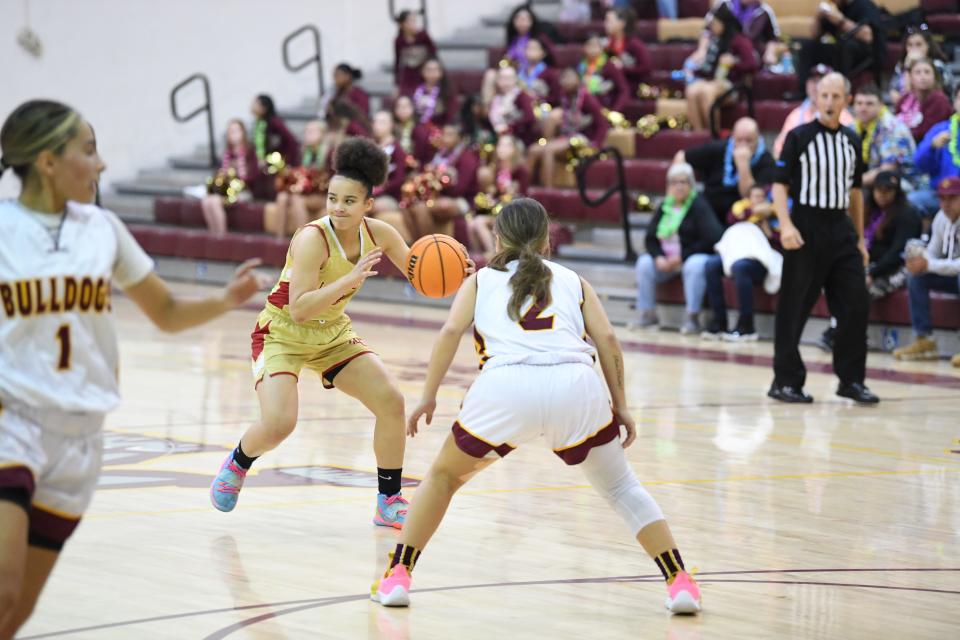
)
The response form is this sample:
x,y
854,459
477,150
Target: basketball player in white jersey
x,y
59,257
531,318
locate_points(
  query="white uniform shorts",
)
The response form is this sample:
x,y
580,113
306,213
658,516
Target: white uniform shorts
x,y
511,404
50,464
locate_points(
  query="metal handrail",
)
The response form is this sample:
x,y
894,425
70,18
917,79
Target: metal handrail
x,y
394,14
620,186
206,106
717,105
317,56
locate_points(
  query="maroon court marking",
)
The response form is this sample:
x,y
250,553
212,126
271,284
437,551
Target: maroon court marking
x,y
301,605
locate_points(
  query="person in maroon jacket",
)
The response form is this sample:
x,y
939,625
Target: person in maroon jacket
x,y
270,135
925,104
433,100
575,113
386,205
455,166
624,48
413,137
522,27
412,48
730,58
537,75
506,177
344,77
510,111
602,77
240,156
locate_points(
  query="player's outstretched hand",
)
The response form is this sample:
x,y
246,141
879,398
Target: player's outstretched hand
x,y
471,267
246,282
625,420
425,408
364,267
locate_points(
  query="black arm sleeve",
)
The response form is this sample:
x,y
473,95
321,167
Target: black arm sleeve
x,y
651,241
789,158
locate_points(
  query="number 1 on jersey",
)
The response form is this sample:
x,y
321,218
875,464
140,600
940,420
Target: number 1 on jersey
x,y
533,321
63,335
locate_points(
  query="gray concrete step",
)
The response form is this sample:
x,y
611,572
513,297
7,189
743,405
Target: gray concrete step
x,y
478,37
146,188
468,59
130,208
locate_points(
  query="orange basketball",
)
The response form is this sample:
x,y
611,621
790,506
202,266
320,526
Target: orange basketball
x,y
435,265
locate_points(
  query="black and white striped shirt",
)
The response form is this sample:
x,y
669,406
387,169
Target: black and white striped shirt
x,y
820,166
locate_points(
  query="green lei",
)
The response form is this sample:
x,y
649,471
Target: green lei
x,y
954,128
673,215
260,138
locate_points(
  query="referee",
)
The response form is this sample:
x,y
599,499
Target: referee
x,y
822,167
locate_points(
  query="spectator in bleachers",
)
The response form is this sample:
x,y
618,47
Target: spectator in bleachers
x,y
270,133
730,167
679,242
748,254
433,98
729,59
412,48
505,177
937,268
240,156
806,111
602,77
522,26
834,20
938,157
758,21
918,43
303,189
575,113
413,137
510,111
343,115
925,104
386,205
455,166
624,48
537,75
886,143
344,77
890,222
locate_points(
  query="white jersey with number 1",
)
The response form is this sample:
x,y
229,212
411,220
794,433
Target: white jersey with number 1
x,y
58,346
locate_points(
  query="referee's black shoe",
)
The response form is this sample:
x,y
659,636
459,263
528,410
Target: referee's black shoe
x,y
857,392
793,395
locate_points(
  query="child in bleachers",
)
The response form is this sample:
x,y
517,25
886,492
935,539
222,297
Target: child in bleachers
x,y
503,179
575,113
414,138
301,194
386,205
729,58
270,135
522,26
510,111
449,185
433,98
239,156
344,77
602,77
412,48
537,75
918,43
624,48
924,104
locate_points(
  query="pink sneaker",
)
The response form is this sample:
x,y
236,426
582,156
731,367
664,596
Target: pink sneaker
x,y
683,594
393,589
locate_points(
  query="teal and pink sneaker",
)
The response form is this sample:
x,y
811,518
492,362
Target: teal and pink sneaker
x,y
393,589
683,594
225,489
391,511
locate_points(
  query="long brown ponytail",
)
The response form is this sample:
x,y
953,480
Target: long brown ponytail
x,y
523,228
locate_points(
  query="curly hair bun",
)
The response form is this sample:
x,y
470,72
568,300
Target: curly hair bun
x,y
361,160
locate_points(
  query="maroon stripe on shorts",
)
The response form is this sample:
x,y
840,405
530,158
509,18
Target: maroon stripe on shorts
x,y
17,477
578,453
474,446
51,527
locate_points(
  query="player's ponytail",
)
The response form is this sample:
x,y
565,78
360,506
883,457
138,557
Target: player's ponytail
x,y
33,127
523,229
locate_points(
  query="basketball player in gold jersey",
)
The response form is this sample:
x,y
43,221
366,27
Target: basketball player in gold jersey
x,y
304,325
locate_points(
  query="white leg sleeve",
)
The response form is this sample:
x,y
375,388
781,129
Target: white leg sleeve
x,y
607,470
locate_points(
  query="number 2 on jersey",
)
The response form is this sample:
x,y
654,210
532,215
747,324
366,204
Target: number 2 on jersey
x,y
533,321
63,335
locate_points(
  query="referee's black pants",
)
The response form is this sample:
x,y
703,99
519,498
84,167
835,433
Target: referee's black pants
x,y
828,260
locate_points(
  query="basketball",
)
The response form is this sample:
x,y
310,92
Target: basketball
x,y
435,265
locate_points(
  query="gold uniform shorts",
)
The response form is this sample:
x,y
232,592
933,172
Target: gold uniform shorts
x,y
283,347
